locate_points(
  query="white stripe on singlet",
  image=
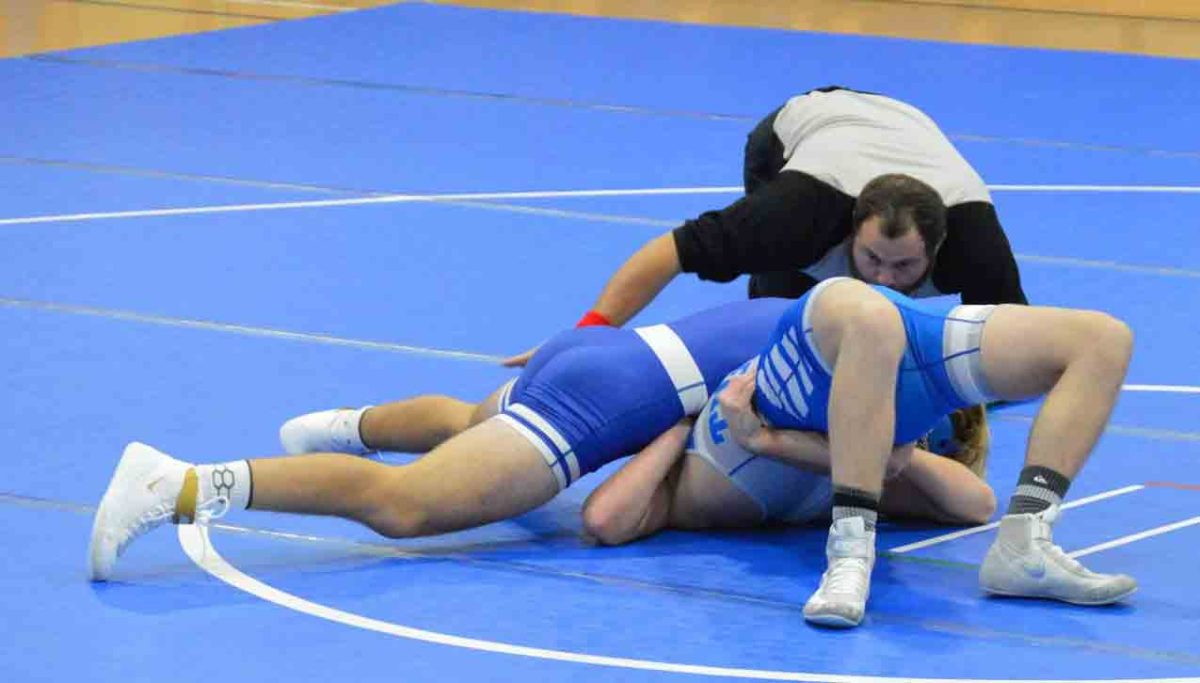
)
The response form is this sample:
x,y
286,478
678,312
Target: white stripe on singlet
x,y
960,348
679,364
532,437
560,442
806,328
505,394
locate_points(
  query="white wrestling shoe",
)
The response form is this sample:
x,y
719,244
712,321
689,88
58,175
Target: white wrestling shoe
x,y
1024,562
841,599
326,431
148,488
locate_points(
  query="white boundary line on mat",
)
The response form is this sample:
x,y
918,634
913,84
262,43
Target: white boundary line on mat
x,y
194,539
535,194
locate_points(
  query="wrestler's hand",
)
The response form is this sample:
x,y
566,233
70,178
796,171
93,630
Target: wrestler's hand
x,y
746,427
519,360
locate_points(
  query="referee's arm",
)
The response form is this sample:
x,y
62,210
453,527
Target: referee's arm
x,y
977,260
788,223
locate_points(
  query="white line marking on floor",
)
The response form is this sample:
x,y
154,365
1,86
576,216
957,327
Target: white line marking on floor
x,y
1154,433
1162,388
1136,189
313,338
360,201
986,527
1125,540
195,541
1104,264
247,330
540,194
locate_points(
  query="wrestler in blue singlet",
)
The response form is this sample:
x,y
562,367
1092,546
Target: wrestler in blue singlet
x,y
594,394
784,493
940,372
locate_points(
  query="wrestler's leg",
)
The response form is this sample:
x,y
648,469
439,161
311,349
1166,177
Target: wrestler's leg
x,y
1078,360
860,335
487,473
412,425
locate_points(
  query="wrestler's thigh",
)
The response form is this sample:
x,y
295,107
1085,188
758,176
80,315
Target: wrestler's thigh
x,y
487,473
848,307
490,406
1025,349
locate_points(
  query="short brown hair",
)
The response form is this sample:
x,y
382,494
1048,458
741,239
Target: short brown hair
x,y
903,203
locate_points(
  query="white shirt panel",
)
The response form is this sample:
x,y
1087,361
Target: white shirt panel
x,y
847,138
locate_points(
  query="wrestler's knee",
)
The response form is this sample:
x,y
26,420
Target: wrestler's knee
x,y
394,511
875,321
1110,340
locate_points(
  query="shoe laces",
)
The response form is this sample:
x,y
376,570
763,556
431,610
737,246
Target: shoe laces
x,y
156,515
213,508
846,575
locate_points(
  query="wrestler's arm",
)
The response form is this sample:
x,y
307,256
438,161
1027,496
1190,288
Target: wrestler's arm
x,y
977,259
806,450
919,483
636,501
938,488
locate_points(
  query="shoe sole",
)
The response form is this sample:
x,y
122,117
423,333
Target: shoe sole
x,y
831,621
94,572
131,453
1085,603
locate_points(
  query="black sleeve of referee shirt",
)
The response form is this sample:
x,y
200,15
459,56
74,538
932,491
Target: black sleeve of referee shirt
x,y
788,223
976,260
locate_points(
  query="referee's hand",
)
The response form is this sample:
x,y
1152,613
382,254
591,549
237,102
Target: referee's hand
x,y
519,360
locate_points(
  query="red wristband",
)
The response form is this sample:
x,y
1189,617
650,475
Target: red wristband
x,y
593,318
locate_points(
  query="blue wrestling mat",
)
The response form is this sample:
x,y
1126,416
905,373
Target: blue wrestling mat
x,y
203,236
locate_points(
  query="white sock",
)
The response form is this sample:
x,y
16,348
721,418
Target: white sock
x,y
230,480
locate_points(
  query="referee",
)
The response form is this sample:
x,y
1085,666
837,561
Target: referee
x,y
838,182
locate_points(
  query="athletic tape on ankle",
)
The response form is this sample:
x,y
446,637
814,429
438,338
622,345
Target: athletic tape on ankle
x,y
185,504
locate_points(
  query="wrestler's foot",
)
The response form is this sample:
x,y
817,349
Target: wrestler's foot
x,y
841,599
148,489
326,431
1024,562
